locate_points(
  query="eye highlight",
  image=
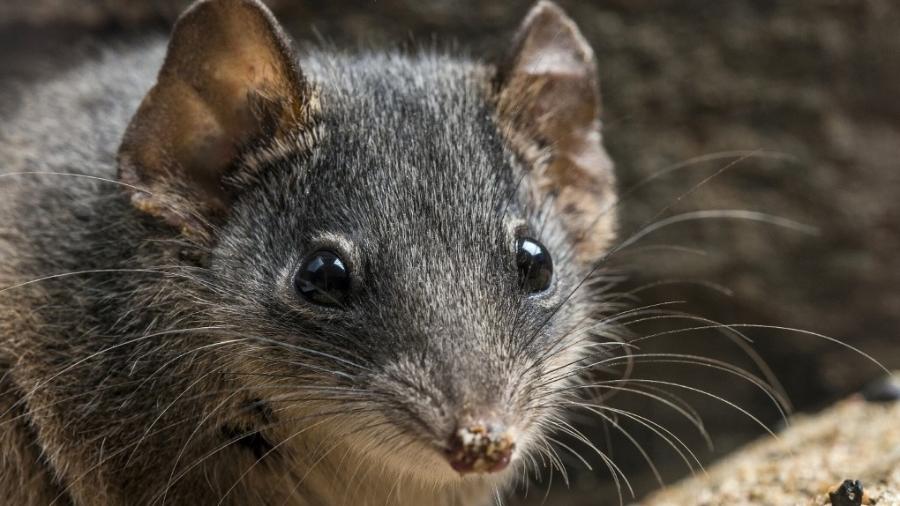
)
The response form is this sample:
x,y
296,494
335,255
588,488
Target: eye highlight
x,y
535,265
323,279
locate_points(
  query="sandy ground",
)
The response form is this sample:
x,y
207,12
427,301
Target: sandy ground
x,y
855,440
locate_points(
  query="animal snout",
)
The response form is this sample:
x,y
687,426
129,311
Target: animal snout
x,y
480,448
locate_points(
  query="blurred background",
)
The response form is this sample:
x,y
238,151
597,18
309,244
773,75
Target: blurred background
x,y
783,108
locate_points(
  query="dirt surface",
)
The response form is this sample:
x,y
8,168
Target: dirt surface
x,y
854,440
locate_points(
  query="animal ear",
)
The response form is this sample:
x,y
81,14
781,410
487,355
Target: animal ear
x,y
228,81
549,100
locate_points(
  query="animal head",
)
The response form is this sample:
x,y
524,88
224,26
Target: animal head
x,y
400,247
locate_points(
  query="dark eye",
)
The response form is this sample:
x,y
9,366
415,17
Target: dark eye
x,y
323,278
535,265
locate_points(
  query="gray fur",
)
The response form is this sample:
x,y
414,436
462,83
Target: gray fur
x,y
406,174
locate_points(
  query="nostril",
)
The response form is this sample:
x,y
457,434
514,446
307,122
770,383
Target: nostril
x,y
480,448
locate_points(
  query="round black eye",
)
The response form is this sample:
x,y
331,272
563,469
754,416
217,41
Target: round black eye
x,y
535,265
323,278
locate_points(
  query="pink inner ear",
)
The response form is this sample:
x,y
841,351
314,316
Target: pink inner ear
x,y
210,150
549,96
553,77
186,135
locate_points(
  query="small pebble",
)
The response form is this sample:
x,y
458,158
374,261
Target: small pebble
x,y
849,493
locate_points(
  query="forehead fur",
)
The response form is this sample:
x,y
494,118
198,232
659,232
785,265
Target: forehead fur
x,y
404,160
417,129
403,145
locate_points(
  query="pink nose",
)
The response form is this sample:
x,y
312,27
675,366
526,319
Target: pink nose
x,y
480,448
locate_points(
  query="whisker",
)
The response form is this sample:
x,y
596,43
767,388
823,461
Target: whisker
x,y
775,327
743,411
76,175
663,433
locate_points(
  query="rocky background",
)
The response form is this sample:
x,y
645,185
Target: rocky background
x,y
783,108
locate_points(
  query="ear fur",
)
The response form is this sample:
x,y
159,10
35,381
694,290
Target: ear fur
x,y
229,79
549,98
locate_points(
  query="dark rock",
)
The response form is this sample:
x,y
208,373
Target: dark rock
x,y
886,389
849,493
